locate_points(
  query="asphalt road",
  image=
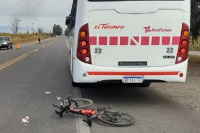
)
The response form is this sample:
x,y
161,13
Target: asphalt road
x,y
27,74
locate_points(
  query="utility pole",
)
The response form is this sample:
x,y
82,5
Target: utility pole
x,y
18,22
41,31
32,27
18,26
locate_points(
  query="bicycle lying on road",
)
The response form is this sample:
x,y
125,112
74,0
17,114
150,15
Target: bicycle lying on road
x,y
80,105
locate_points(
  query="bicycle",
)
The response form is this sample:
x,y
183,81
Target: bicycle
x,y
105,116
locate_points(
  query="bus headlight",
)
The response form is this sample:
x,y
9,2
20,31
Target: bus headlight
x,y
5,43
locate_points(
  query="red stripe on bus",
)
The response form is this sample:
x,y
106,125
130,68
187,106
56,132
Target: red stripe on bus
x,y
136,38
155,40
176,40
114,40
145,40
103,40
93,40
124,40
134,73
165,40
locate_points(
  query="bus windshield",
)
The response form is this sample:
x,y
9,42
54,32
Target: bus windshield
x,y
2,38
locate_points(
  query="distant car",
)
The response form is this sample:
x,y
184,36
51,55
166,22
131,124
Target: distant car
x,y
6,42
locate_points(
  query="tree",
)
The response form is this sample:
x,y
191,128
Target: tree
x,y
40,31
15,25
57,30
67,31
195,19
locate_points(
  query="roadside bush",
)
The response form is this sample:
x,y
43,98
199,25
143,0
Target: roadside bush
x,y
24,38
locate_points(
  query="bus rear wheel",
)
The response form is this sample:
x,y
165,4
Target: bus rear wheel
x,y
145,84
74,84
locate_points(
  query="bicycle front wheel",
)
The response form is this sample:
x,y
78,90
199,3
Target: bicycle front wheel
x,y
116,118
81,103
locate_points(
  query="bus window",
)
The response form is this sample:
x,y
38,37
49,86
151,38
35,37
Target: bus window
x,y
73,14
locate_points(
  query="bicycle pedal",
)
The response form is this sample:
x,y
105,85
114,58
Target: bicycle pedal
x,y
89,122
58,113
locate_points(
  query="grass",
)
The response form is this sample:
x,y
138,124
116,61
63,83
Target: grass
x,y
24,38
194,46
194,59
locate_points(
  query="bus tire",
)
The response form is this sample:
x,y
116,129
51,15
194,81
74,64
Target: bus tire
x,y
74,84
145,84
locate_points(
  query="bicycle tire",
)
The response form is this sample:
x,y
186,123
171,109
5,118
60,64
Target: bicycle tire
x,y
82,103
129,120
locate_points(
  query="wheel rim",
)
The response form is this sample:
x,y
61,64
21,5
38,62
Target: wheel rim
x,y
116,119
82,103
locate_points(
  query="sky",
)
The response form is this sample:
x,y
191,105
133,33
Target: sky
x,y
37,13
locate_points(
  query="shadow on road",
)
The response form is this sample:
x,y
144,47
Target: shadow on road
x,y
120,94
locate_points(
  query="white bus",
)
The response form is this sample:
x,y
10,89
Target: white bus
x,y
129,41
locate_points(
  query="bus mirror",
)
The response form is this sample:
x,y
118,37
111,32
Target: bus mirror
x,y
67,22
198,5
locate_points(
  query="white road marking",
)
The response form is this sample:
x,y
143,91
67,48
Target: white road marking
x,y
69,60
81,126
25,45
36,50
66,43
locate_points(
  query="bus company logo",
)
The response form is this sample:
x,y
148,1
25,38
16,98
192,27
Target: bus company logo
x,y
109,26
149,29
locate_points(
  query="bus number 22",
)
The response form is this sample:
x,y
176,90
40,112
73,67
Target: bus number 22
x,y
170,50
98,50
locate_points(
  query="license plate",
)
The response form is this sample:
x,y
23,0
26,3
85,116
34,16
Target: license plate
x,y
133,79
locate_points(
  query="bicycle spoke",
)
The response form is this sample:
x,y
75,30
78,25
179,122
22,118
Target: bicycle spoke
x,y
115,118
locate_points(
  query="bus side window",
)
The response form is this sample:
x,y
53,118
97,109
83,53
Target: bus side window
x,y
73,14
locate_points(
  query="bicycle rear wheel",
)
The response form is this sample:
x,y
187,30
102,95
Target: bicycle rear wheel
x,y
82,103
116,118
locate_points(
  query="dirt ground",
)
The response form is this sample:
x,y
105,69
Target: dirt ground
x,y
188,93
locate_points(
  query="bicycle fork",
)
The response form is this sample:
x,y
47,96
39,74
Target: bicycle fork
x,y
88,120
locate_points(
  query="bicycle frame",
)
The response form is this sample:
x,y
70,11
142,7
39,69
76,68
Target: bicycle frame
x,y
86,112
89,113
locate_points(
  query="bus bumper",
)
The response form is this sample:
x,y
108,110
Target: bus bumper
x,y
86,73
